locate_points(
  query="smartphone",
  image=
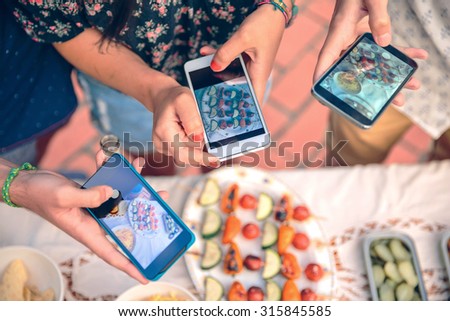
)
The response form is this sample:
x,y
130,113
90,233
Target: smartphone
x,y
232,120
364,81
143,226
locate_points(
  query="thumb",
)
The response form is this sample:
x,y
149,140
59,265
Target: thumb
x,y
379,21
90,197
228,52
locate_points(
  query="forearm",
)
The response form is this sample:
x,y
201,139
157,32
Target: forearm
x,y
17,190
116,66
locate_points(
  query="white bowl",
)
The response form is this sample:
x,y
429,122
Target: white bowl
x,y
142,292
43,272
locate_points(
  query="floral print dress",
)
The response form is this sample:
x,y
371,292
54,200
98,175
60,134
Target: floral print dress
x,y
164,33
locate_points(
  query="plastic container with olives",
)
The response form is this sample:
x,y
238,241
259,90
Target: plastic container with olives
x,y
445,249
393,268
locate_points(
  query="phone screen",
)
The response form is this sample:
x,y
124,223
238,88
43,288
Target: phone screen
x,y
367,78
134,214
227,106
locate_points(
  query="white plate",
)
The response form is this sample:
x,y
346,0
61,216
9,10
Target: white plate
x,y
252,181
143,292
43,272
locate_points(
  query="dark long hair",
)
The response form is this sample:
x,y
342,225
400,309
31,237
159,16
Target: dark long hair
x,y
121,12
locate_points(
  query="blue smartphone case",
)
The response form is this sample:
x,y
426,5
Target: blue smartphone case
x,y
190,237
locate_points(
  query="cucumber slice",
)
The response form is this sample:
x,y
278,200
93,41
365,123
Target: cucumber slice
x,y
212,91
235,113
273,291
212,101
214,125
236,123
235,104
265,207
212,255
272,265
213,289
233,94
211,224
210,194
213,113
269,235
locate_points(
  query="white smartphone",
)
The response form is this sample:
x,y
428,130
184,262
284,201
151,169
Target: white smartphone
x,y
232,120
364,81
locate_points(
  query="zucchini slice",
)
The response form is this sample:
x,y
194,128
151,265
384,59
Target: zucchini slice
x,y
272,264
273,291
269,235
211,256
211,224
210,194
213,289
265,207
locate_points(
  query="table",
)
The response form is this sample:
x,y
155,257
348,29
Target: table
x,y
352,202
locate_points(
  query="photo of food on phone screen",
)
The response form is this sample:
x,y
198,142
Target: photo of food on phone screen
x,y
367,78
136,217
227,106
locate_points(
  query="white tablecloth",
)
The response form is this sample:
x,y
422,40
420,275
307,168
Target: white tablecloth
x,y
352,202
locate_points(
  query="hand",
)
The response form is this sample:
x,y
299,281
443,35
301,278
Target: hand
x,y
352,18
259,40
177,127
60,201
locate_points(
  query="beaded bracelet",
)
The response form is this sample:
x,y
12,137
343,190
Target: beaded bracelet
x,y
288,14
12,174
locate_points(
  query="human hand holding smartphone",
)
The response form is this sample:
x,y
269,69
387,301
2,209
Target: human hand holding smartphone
x,y
364,81
232,119
143,226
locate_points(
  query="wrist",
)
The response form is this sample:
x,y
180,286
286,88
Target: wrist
x,y
18,188
286,8
154,84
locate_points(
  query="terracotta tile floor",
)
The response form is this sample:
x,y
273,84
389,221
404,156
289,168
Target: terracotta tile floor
x,y
293,116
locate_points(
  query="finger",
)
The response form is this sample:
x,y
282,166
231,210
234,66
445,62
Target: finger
x,y
138,164
229,51
413,84
189,117
71,196
195,157
105,250
338,39
164,195
379,21
207,50
399,100
100,158
415,53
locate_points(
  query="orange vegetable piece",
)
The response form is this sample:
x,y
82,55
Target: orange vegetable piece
x,y
230,199
237,292
284,210
232,228
290,268
286,234
232,263
290,292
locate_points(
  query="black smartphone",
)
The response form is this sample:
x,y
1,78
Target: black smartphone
x,y
143,226
364,81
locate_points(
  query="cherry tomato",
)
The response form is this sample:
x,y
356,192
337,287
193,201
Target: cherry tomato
x,y
255,294
253,263
301,213
248,202
301,241
250,231
308,295
314,272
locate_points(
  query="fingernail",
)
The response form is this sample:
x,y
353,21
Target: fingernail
x,y
108,192
214,164
197,137
384,40
215,66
